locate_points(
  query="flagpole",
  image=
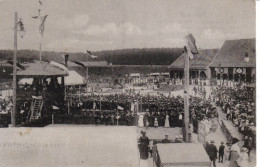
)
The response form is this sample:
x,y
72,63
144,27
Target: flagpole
x,y
186,94
40,51
14,70
117,109
87,79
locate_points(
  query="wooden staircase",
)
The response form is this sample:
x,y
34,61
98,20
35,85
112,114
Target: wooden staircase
x,y
36,107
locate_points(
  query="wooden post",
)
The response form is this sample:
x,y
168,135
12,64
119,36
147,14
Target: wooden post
x,y
87,80
52,118
40,50
14,70
186,95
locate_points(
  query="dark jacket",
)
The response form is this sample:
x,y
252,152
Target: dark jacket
x,y
221,150
212,151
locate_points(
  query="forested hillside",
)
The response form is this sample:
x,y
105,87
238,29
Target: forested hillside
x,y
145,56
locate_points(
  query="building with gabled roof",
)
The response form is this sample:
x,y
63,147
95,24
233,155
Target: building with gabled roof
x,y
198,65
235,61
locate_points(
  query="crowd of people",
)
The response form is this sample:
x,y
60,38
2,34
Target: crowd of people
x,y
239,106
5,111
140,110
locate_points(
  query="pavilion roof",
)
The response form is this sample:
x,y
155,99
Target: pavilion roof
x,y
41,69
199,61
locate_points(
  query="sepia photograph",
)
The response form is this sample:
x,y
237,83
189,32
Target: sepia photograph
x,y
128,83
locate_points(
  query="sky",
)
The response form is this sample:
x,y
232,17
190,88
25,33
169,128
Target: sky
x,y
80,25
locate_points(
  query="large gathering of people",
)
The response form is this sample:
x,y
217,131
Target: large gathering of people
x,y
239,106
140,110
158,110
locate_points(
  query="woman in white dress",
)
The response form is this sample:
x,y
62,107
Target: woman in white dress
x,y
141,120
234,153
167,124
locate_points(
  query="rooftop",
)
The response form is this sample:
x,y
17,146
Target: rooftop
x,y
233,53
41,69
199,61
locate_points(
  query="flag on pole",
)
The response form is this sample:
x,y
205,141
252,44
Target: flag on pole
x,y
91,55
41,28
191,44
76,62
120,108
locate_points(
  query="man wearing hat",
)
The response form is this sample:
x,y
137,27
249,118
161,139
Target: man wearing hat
x,y
212,151
166,140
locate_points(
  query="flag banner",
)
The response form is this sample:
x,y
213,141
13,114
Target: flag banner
x,y
41,28
120,108
59,65
76,62
191,43
91,55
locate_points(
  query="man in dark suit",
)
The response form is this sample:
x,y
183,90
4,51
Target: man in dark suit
x,y
212,151
221,152
166,140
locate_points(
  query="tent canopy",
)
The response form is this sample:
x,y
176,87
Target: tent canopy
x,y
74,78
183,154
41,69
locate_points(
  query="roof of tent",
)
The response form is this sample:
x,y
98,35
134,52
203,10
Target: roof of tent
x,y
41,69
74,78
189,154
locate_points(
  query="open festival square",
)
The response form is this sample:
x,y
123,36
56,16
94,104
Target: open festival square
x,y
120,83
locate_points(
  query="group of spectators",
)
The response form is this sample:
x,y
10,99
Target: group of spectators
x,y
149,111
5,111
239,106
5,106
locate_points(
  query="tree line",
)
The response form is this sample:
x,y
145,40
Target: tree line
x,y
144,56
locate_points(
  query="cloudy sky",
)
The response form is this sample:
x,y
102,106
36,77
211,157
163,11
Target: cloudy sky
x,y
78,25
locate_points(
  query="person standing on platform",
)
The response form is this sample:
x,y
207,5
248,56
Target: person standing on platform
x,y
221,152
212,151
144,146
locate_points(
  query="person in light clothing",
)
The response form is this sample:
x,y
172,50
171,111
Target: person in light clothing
x,y
167,124
234,153
155,123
